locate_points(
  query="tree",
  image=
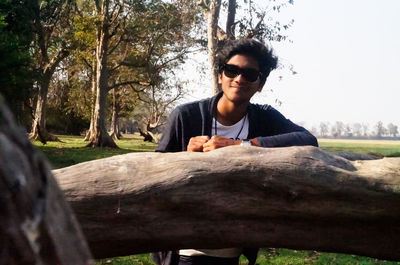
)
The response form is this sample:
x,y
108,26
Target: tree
x,y
356,128
212,30
392,129
85,61
162,40
135,43
51,28
348,130
380,129
297,197
365,129
156,104
337,129
254,24
16,73
314,130
66,106
114,129
324,129
109,14
37,225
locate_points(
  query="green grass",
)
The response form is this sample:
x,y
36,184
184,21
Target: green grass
x,y
272,256
383,148
141,259
71,151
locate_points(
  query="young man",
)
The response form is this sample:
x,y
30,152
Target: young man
x,y
230,119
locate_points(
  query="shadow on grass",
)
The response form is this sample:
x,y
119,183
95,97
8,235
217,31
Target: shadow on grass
x,y
64,157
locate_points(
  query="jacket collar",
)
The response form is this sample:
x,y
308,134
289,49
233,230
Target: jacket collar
x,y
212,108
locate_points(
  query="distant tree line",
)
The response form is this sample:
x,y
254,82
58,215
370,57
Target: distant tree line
x,y
356,130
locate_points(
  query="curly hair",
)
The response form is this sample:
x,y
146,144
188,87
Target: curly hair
x,y
250,47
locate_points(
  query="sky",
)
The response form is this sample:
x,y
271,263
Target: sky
x,y
347,58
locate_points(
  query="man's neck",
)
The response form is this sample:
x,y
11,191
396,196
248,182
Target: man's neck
x,y
229,113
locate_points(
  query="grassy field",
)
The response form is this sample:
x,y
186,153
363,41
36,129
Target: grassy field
x,y
384,148
72,150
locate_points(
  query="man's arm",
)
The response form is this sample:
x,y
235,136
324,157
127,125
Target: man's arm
x,y
284,132
171,139
272,129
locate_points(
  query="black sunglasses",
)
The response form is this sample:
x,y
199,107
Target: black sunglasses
x,y
250,74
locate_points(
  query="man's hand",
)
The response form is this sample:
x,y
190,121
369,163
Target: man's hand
x,y
196,143
219,141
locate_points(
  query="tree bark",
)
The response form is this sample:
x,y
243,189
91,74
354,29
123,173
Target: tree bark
x,y
115,133
36,225
230,21
48,62
212,28
295,197
39,131
92,102
99,137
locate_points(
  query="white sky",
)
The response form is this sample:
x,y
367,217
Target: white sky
x,y
347,55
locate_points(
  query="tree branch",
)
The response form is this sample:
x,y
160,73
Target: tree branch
x,y
295,197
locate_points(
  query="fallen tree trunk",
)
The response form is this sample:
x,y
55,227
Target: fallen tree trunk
x,y
296,197
36,224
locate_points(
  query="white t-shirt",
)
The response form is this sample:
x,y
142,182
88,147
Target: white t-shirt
x,y
237,131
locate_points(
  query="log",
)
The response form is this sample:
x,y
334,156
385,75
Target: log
x,y
36,224
296,197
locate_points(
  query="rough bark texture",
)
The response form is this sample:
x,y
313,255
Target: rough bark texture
x,y
114,132
230,21
36,224
147,137
99,136
297,197
39,131
212,28
49,60
92,102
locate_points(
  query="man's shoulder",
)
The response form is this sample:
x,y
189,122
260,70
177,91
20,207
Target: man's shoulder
x,y
265,111
262,107
197,105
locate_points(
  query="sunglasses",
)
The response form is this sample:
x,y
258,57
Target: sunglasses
x,y
250,74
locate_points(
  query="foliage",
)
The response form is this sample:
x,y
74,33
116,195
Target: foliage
x,y
160,39
150,40
259,20
15,62
392,129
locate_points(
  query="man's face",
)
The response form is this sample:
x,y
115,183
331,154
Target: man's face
x,y
238,89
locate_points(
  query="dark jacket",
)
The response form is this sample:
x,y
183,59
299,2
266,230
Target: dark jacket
x,y
266,124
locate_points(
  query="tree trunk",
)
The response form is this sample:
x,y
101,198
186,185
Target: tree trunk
x,y
39,131
212,28
115,133
100,137
295,197
147,135
48,62
36,225
230,21
92,102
